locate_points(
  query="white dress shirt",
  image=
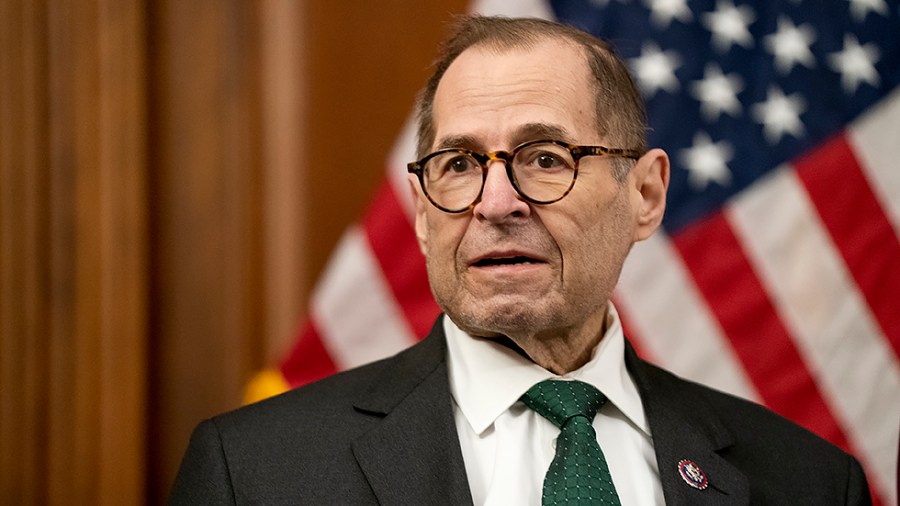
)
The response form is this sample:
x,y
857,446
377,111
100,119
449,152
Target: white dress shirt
x,y
508,448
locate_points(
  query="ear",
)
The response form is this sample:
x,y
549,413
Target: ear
x,y
420,206
651,180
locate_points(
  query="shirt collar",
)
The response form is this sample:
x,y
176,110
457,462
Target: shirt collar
x,y
487,378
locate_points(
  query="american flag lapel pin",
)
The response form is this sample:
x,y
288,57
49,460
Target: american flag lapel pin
x,y
692,474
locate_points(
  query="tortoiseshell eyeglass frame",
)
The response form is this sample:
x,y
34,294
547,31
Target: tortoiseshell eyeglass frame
x,y
577,152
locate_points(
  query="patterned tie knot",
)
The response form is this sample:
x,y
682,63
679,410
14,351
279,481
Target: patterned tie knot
x,y
559,401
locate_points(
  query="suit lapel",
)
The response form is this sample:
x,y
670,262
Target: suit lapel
x,y
412,456
412,399
685,427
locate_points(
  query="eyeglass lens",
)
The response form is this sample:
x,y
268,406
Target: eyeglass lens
x,y
541,173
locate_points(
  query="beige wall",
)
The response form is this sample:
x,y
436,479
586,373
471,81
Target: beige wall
x,y
173,176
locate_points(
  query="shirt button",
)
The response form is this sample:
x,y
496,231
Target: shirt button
x,y
553,443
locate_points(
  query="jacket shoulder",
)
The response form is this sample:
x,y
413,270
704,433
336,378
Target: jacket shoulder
x,y
784,462
746,420
298,445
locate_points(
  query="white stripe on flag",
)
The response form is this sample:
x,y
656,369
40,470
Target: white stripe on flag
x,y
356,314
665,309
875,138
832,326
403,152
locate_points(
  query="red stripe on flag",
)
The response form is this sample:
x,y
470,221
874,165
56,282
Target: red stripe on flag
x,y
308,360
394,245
737,298
858,226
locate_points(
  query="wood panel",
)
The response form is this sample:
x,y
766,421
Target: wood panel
x,y
284,196
73,243
23,253
205,205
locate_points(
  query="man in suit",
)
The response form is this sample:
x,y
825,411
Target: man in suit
x,y
532,184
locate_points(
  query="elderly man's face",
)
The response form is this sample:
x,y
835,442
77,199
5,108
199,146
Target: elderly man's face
x,y
509,267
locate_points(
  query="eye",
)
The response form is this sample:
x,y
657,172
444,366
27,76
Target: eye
x,y
548,161
544,158
459,164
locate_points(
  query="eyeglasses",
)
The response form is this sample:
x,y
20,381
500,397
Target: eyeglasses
x,y
542,172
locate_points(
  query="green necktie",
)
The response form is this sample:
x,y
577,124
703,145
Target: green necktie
x,y
578,474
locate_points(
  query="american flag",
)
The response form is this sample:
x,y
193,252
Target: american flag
x,y
777,275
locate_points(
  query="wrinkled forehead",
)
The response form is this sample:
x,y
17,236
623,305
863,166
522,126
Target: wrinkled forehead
x,y
555,58
490,91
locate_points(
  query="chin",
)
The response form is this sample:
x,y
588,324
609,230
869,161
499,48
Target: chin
x,y
511,317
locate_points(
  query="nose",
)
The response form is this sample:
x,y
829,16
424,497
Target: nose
x,y
499,200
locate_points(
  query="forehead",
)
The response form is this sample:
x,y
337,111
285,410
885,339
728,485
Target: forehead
x,y
496,96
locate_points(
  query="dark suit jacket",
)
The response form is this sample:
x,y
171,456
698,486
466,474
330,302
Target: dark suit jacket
x,y
384,434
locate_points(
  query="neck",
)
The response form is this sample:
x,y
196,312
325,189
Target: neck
x,y
559,352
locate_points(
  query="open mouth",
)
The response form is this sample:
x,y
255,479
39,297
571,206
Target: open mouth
x,y
513,260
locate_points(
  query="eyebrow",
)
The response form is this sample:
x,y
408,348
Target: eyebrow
x,y
459,141
537,131
525,133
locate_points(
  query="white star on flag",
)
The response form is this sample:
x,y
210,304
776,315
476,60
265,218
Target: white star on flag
x,y
717,93
655,69
790,45
730,25
662,12
780,114
707,161
856,64
860,8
